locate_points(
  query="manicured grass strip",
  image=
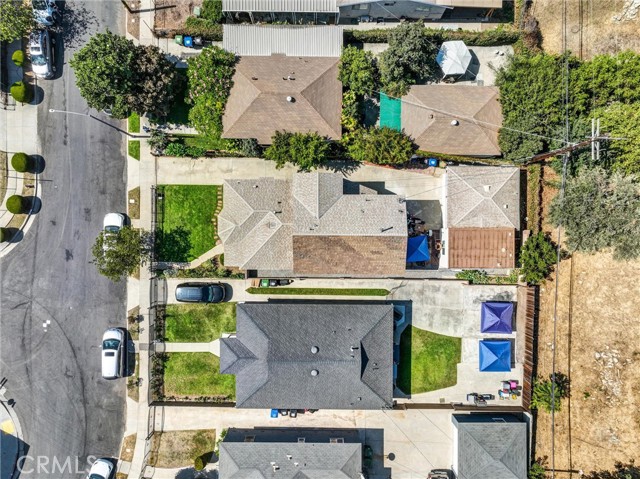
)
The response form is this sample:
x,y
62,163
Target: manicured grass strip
x,y
134,123
134,149
196,375
321,291
188,228
427,361
199,323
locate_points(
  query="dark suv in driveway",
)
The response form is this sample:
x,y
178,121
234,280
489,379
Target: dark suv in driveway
x,y
200,292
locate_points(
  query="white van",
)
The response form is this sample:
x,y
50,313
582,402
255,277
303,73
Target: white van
x,y
113,353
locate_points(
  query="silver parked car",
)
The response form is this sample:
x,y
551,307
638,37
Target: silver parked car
x,y
113,353
101,469
42,54
45,12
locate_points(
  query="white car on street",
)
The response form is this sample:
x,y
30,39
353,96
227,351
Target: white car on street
x,y
113,353
112,224
101,469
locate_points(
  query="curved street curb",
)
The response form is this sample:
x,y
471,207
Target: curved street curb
x,y
26,225
18,434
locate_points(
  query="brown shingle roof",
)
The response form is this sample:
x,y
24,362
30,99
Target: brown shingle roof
x,y
482,247
258,105
428,110
364,255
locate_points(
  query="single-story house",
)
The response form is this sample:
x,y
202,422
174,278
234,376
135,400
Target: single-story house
x,y
482,216
317,224
490,445
290,454
286,79
333,11
311,355
453,119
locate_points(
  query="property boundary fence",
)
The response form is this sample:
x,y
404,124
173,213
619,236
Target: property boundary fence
x,y
529,369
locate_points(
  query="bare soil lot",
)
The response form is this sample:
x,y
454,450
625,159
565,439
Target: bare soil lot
x,y
598,347
593,26
171,15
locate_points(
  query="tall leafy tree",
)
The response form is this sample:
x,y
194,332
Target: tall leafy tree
x,y
113,73
410,56
538,255
621,121
16,19
600,211
307,151
118,256
357,71
384,146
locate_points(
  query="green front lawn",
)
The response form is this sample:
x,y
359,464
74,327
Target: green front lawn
x,y
427,361
321,291
199,323
134,123
187,230
134,149
195,375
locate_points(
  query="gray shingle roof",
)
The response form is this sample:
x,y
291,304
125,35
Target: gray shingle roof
x,y
275,366
253,460
491,446
290,40
483,197
261,218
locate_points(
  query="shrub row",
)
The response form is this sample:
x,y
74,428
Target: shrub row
x,y
488,38
179,149
201,27
21,162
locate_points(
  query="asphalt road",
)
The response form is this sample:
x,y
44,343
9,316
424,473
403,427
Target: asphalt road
x,y
67,411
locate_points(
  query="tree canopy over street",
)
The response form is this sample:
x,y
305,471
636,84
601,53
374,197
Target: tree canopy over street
x,y
119,255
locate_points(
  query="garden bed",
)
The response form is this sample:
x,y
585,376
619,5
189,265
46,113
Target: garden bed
x,y
195,323
187,221
428,361
196,376
320,291
134,208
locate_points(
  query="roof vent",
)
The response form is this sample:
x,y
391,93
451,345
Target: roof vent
x,y
455,122
314,349
290,99
314,372
505,206
254,78
487,188
290,77
289,456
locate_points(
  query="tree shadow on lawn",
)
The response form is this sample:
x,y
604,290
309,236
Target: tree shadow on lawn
x,y
174,245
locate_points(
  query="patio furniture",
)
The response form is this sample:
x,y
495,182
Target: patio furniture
x,y
502,394
513,384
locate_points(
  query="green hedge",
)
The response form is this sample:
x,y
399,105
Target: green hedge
x,y
21,92
20,162
18,58
487,38
16,204
201,27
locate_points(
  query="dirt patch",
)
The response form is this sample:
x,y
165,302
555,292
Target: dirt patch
x,y
134,207
133,323
173,449
133,385
133,18
171,15
128,447
593,26
4,171
598,347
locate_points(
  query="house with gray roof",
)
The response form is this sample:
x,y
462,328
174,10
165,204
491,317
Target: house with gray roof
x,y
490,446
290,454
317,224
311,355
285,80
482,216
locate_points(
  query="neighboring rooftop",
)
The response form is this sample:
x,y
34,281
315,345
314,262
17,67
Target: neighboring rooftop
x,y
490,446
483,197
284,93
311,355
453,119
312,225
290,40
279,6
474,248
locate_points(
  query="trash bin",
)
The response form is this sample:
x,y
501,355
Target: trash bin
x,y
433,162
178,39
188,42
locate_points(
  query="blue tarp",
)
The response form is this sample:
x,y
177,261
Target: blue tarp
x,y
495,356
418,249
496,317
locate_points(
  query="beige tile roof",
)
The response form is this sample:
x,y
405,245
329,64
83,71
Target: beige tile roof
x,y
428,110
482,248
483,197
258,105
309,225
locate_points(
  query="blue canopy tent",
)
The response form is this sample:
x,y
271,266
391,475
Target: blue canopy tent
x,y
495,356
418,249
496,317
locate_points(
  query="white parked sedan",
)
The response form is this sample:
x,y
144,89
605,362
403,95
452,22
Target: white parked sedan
x,y
101,469
113,353
112,224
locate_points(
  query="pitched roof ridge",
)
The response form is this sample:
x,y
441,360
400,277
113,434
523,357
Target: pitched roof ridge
x,y
315,108
506,181
257,92
280,225
468,187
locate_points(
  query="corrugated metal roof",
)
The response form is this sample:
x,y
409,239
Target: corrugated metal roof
x,y
290,40
301,6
